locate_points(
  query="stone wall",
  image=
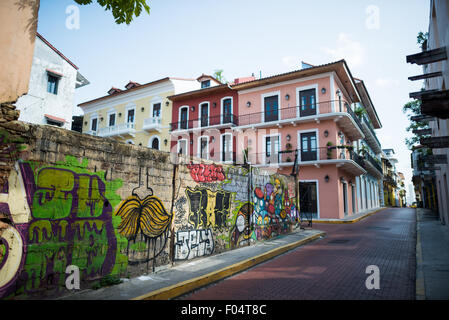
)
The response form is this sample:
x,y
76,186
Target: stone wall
x,y
119,210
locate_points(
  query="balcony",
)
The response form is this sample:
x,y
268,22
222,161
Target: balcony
x,y
370,135
221,121
372,166
91,132
122,130
342,157
338,110
152,124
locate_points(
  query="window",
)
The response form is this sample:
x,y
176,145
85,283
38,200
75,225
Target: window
x,y
271,108
272,148
307,100
93,124
203,147
204,114
226,147
308,146
155,143
182,146
131,116
183,117
52,84
227,110
156,110
54,123
111,122
205,83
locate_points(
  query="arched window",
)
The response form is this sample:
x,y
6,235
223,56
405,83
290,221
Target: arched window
x,y
154,143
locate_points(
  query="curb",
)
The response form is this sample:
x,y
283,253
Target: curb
x,y
348,221
189,285
419,283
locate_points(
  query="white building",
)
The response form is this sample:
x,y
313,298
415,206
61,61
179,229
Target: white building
x,y
53,80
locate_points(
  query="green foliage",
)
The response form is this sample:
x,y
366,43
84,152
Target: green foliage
x,y
422,38
413,108
218,74
122,10
360,111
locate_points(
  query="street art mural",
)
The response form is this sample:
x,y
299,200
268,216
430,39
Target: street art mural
x,y
206,172
145,223
70,222
241,232
193,243
208,209
274,211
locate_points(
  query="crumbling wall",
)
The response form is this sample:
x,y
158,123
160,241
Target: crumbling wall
x,y
118,210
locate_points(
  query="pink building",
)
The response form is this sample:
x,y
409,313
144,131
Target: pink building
x,y
310,114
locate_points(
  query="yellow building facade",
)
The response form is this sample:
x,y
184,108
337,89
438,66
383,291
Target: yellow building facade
x,y
139,114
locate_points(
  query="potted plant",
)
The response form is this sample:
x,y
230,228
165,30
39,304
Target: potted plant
x,y
359,112
330,147
288,146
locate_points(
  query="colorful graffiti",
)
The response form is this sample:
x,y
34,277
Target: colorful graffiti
x,y
70,222
145,223
241,232
208,209
193,243
273,212
206,172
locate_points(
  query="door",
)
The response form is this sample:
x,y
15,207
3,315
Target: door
x,y
183,120
308,146
112,119
345,199
227,111
271,108
204,146
353,198
272,149
204,115
307,100
93,126
308,200
226,148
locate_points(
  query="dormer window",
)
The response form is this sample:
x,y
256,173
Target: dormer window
x,y
205,84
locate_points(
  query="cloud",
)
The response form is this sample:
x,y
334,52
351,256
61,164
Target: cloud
x,y
348,49
386,82
291,62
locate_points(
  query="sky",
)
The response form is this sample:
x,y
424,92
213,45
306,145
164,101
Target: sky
x,y
187,38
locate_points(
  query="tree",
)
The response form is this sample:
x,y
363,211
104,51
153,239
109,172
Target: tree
x,y
413,108
122,10
218,74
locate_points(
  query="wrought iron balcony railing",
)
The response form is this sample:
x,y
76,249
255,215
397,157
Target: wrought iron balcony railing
x,y
204,122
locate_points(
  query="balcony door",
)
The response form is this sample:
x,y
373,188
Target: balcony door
x,y
156,110
307,100
204,114
308,146
272,148
271,108
183,118
227,111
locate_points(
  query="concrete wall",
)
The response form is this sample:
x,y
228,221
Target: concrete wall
x,y
120,210
18,24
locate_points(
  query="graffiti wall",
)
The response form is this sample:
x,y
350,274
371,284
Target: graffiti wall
x,y
116,210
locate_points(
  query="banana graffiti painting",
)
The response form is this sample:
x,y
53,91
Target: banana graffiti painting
x,y
145,223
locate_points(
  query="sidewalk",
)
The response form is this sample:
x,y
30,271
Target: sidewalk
x,y
170,282
432,257
351,218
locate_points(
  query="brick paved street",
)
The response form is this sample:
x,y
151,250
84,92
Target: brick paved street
x,y
329,269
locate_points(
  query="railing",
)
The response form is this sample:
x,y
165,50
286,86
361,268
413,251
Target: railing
x,y
204,122
298,112
152,121
371,160
319,154
91,132
368,124
122,128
